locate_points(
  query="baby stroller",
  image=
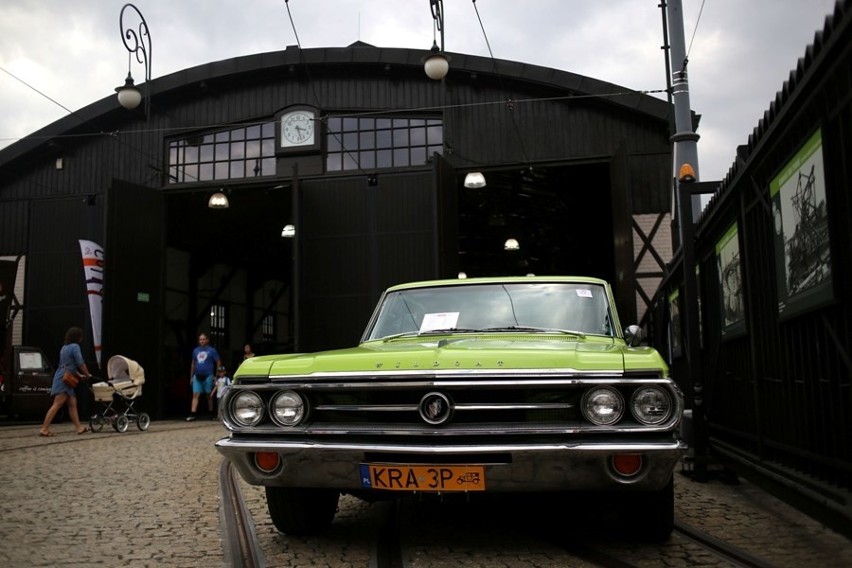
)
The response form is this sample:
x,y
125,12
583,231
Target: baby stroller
x,y
118,394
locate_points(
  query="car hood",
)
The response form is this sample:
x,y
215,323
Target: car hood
x,y
454,353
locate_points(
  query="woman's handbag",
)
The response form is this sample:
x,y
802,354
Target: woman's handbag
x,y
70,379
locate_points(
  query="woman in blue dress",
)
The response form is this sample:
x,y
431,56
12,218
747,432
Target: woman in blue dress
x,y
71,359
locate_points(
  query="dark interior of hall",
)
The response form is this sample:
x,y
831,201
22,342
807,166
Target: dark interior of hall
x,y
560,216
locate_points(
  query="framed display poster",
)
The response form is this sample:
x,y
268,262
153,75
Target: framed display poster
x,y
802,251
731,282
698,302
674,324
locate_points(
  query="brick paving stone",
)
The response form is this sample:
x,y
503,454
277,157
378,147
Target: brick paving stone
x,y
151,498
109,499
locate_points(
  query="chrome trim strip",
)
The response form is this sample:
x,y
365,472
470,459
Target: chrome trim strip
x,y
372,383
367,407
270,445
462,406
427,370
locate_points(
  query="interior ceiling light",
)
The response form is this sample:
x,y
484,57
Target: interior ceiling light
x,y
462,275
288,232
474,180
218,201
511,244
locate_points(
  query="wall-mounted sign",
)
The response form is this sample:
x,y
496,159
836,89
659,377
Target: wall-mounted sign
x,y
675,328
731,282
802,247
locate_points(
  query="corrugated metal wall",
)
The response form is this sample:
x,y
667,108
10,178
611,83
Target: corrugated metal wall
x,y
356,240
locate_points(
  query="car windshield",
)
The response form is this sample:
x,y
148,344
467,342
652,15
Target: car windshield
x,y
537,306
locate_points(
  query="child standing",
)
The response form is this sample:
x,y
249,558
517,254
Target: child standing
x,y
220,388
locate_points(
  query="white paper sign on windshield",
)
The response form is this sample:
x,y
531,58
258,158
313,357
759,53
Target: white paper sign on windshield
x,y
440,320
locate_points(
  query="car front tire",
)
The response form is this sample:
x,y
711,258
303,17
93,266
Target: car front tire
x,y
652,513
297,511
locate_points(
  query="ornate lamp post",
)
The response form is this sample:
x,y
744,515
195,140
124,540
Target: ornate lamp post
x,y
138,42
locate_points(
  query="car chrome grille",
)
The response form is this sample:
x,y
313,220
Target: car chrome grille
x,y
486,404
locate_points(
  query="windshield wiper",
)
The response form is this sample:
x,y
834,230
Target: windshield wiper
x,y
428,332
579,334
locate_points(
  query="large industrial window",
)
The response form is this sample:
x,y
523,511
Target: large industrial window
x,y
268,328
375,143
218,325
243,152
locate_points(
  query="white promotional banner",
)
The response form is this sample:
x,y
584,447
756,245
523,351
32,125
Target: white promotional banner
x,y
93,268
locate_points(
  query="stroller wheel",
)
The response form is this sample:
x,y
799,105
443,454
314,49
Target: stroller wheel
x,y
96,423
121,423
143,421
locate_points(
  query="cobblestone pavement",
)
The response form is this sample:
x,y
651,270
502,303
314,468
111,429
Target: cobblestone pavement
x,y
109,499
142,499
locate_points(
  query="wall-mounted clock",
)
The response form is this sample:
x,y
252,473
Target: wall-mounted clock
x,y
298,129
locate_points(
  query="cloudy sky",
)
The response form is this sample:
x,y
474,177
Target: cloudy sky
x,y
740,51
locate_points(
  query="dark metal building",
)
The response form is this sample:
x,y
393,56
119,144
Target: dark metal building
x,y
773,254
578,172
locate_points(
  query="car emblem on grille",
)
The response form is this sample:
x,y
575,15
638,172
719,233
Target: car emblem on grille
x,y
435,408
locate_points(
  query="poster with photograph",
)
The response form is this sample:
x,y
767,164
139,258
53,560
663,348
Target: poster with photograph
x,y
731,282
802,251
674,324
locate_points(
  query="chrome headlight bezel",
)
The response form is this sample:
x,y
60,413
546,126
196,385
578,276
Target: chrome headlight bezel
x,y
288,408
651,405
246,408
602,406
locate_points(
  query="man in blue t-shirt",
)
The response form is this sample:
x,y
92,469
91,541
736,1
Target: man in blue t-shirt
x,y
205,361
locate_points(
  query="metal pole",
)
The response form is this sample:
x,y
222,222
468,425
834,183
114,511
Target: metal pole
x,y
686,152
295,310
138,43
437,7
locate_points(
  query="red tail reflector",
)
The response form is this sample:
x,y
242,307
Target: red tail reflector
x,y
627,464
267,461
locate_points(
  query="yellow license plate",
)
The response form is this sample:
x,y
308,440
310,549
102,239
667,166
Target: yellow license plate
x,y
427,478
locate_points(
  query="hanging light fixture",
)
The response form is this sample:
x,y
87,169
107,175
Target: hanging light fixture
x,y
474,180
218,200
137,41
437,63
128,95
288,232
511,244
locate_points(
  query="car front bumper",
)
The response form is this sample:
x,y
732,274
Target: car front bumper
x,y
583,466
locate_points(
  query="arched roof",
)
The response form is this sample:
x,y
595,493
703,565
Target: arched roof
x,y
100,114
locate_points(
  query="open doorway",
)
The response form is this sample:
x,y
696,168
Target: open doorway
x,y
560,217
228,273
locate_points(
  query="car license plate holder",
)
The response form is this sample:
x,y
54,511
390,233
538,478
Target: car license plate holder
x,y
427,478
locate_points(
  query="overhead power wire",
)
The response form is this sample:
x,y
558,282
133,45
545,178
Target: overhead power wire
x,y
317,100
510,104
695,30
383,112
54,101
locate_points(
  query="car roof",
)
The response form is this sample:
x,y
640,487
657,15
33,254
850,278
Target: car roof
x,y
498,280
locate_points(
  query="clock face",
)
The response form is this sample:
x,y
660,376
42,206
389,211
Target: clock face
x,y
297,128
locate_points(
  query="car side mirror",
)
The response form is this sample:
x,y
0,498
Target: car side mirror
x,y
634,335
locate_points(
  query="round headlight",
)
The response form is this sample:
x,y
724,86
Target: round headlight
x,y
603,406
246,408
287,408
651,405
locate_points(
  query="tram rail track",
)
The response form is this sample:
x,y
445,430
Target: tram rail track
x,y
238,536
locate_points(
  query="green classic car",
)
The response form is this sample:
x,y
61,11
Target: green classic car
x,y
474,386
